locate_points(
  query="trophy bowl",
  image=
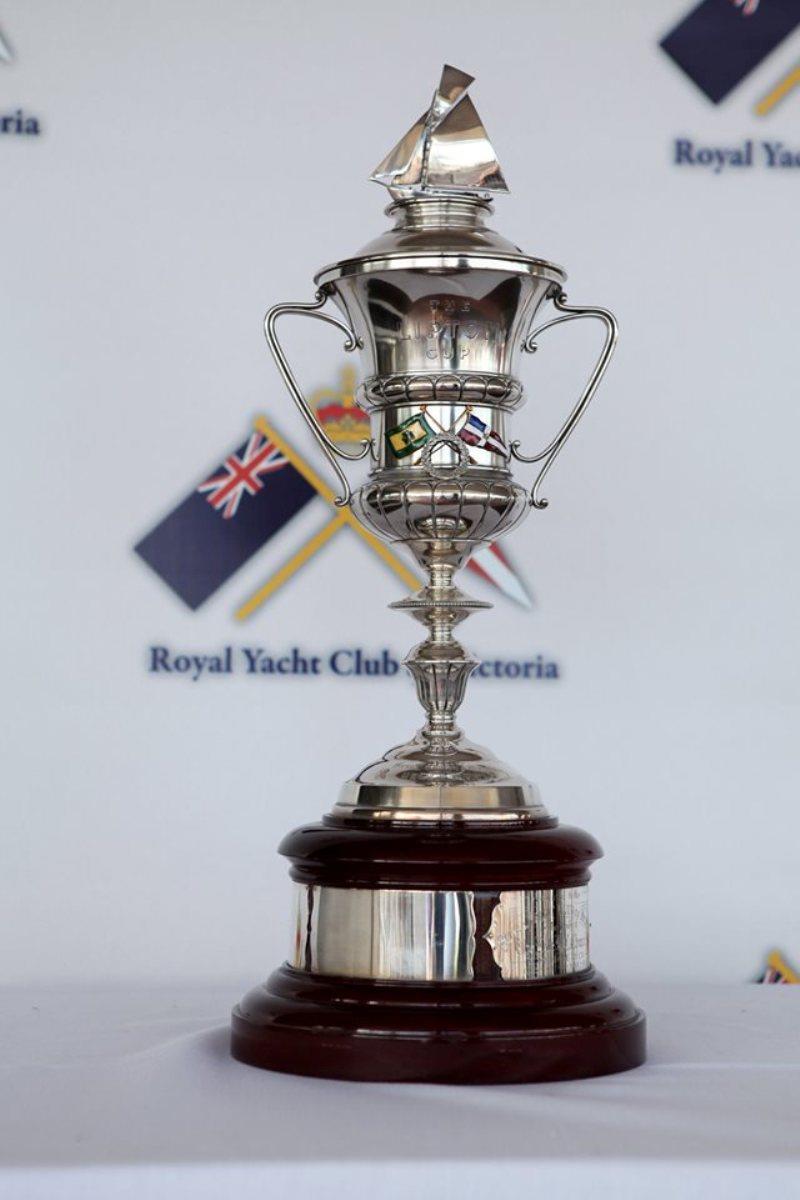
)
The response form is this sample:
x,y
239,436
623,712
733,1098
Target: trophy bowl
x,y
440,291
436,517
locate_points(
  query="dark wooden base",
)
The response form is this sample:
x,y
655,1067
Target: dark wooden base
x,y
485,1031
438,1033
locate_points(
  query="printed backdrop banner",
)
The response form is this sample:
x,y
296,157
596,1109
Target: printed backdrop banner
x,y
196,643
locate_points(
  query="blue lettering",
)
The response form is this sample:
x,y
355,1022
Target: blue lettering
x,y
684,151
344,655
251,659
18,123
159,659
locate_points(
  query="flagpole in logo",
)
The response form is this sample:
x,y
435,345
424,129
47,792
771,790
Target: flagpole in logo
x,y
779,92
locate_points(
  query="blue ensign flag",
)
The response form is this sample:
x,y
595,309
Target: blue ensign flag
x,y
721,41
223,521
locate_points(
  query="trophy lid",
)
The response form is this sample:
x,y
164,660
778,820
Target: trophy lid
x,y
441,176
446,151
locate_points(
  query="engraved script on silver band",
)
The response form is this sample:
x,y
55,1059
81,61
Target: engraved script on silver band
x,y
542,933
430,936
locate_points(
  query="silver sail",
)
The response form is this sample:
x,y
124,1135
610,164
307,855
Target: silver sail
x,y
447,150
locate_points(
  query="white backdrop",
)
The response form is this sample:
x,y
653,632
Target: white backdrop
x,y
199,161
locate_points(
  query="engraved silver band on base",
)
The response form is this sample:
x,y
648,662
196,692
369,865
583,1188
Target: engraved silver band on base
x,y
432,936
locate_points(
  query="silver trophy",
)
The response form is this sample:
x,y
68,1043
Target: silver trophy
x,y
439,308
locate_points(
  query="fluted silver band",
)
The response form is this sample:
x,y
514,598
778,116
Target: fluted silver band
x,y
432,936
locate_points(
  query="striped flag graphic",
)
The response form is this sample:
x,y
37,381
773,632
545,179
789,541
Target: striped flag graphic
x,y
492,565
777,970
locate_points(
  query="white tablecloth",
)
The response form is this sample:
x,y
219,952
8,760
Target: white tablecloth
x,y
131,1093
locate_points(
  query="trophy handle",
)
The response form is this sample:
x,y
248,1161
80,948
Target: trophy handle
x,y
553,449
330,449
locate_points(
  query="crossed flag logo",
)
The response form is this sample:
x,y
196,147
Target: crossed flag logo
x,y
253,494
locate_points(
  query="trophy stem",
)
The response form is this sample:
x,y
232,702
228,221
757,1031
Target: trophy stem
x,y
440,666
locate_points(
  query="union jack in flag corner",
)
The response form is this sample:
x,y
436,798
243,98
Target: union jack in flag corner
x,y
223,521
241,473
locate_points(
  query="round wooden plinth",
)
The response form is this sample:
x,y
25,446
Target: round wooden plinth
x,y
570,1028
490,1029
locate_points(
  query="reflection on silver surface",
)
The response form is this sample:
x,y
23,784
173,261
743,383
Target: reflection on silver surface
x,y
542,933
393,933
363,933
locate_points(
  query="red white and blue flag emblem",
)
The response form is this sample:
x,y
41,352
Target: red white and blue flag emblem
x,y
242,473
476,432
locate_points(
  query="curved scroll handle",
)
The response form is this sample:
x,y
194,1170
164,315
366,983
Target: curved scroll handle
x,y
331,450
551,451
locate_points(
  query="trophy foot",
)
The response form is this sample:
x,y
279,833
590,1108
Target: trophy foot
x,y
453,1033
444,779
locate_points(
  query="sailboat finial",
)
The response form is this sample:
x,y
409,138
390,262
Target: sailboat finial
x,y
447,151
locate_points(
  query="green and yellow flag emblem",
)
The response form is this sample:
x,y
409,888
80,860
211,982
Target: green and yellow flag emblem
x,y
410,435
